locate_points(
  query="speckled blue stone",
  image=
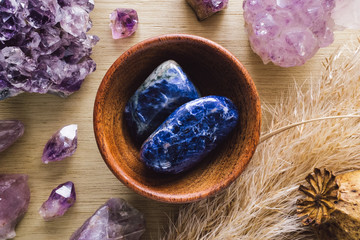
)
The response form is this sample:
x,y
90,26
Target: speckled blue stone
x,y
189,134
166,89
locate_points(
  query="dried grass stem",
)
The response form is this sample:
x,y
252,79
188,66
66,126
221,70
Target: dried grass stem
x,y
260,204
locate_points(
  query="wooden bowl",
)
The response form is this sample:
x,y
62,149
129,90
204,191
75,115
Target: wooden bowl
x,y
214,71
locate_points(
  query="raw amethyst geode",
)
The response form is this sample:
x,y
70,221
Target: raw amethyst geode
x,y
288,32
14,202
10,131
44,47
116,219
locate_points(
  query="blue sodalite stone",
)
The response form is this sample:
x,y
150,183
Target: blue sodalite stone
x,y
189,134
166,89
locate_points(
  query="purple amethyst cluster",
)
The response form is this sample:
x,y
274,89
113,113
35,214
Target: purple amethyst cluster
x,y
44,47
288,32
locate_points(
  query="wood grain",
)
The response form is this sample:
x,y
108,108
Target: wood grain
x,y
44,114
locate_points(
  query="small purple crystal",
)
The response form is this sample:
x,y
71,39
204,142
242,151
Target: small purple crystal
x,y
14,202
123,22
206,8
61,145
288,32
44,47
10,131
116,219
60,200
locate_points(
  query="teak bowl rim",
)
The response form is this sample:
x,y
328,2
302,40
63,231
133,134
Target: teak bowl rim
x,y
111,161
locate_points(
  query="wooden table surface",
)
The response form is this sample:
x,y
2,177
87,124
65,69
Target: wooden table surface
x,y
44,114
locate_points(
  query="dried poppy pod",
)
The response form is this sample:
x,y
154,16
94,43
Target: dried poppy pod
x,y
332,204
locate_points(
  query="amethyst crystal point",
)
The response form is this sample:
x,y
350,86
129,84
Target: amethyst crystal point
x,y
123,22
189,134
288,32
61,145
60,200
14,202
164,90
206,8
10,131
116,219
44,47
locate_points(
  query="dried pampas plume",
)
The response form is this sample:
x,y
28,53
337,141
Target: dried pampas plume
x,y
261,204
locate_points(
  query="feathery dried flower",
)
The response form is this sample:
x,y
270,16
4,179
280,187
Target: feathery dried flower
x,y
260,204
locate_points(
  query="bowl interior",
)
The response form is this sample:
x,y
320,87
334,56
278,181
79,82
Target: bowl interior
x,y
214,71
